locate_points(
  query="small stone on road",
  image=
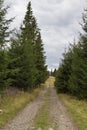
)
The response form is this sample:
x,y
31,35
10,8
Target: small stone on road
x,y
39,129
50,129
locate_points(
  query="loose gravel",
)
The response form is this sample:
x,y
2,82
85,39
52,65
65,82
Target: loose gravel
x,y
25,119
59,118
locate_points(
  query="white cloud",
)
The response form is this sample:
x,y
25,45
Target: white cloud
x,y
57,19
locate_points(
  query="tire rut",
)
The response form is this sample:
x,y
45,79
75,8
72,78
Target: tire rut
x,y
25,118
60,118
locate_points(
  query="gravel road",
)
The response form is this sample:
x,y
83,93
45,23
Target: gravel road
x,y
25,118
60,118
58,115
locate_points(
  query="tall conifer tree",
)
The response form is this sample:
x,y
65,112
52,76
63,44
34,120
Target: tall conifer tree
x,y
40,60
28,34
4,34
26,55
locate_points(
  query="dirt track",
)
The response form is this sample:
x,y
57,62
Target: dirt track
x,y
59,118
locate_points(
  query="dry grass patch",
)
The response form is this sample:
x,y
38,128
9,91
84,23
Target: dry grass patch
x,y
78,109
50,81
10,105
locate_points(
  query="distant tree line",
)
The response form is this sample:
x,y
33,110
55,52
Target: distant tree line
x,y
52,72
22,56
71,76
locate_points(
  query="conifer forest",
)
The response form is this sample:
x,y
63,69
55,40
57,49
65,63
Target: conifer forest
x,y
22,56
36,93
23,60
71,76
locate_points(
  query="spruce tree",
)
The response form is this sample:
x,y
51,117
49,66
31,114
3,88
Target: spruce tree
x,y
78,78
14,59
4,34
28,36
26,62
40,60
63,73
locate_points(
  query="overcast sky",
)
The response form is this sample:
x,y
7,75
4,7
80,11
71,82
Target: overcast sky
x,y
58,20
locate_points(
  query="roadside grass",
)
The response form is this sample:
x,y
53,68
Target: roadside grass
x,y
50,81
78,110
11,105
42,118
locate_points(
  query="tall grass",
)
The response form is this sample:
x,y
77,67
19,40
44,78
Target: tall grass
x,y
10,105
78,109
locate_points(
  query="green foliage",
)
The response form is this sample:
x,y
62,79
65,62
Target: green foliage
x,y
72,73
26,55
22,65
14,59
63,73
32,52
78,77
4,33
40,60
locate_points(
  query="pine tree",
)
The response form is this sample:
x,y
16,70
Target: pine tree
x,y
78,78
40,60
14,59
54,72
26,60
83,37
63,73
28,37
72,73
4,34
